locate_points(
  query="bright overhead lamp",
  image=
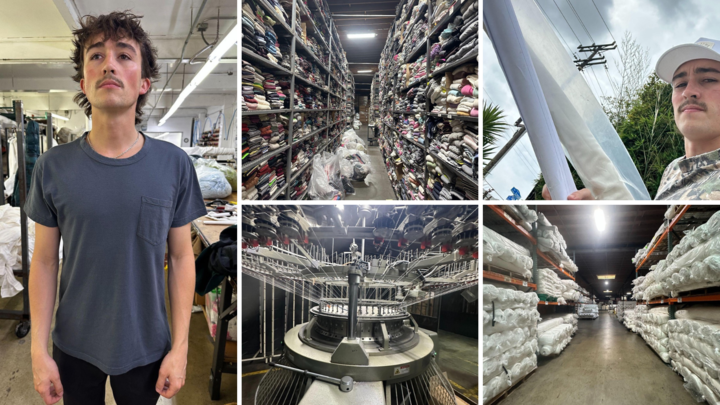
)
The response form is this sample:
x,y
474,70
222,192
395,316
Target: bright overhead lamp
x,y
627,293
606,283
60,117
600,219
607,291
213,60
365,35
364,71
606,277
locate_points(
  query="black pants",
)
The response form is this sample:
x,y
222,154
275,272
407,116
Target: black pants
x,y
84,384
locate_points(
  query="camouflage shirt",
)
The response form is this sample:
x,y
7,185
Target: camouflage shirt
x,y
695,178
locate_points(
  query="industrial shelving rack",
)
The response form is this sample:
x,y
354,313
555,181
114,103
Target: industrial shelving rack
x,y
539,258
391,88
315,27
688,216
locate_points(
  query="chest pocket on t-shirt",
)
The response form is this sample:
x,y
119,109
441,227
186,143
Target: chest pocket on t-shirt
x,y
154,223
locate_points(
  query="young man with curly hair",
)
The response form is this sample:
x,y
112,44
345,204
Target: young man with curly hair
x,y
117,198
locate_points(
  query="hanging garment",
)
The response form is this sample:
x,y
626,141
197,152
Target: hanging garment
x,y
32,152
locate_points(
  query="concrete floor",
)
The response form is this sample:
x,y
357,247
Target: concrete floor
x,y
381,189
457,356
604,364
16,379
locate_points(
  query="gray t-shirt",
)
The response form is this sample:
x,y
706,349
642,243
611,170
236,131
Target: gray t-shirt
x,y
114,217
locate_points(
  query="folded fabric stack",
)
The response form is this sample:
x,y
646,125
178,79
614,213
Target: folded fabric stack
x,y
318,50
309,71
248,29
458,39
265,35
267,178
438,95
308,97
440,10
693,342
278,136
455,142
273,92
510,341
415,38
299,185
253,142
413,98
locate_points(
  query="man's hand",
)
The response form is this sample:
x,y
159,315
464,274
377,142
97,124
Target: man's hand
x,y
46,378
172,374
583,194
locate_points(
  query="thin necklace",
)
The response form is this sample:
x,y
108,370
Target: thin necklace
x,y
118,156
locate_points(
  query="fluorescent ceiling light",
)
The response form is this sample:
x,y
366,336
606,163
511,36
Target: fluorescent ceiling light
x,y
364,71
600,219
366,35
213,60
627,293
60,117
607,291
606,277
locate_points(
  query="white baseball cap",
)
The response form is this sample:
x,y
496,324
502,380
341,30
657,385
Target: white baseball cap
x,y
670,61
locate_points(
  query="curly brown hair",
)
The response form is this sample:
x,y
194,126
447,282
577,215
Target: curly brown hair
x,y
116,26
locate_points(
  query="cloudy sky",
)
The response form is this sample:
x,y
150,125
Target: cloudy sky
x,y
656,25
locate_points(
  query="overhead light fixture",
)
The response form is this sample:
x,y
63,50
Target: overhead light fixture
x,y
606,277
606,283
213,60
364,71
60,117
628,293
365,35
607,291
600,219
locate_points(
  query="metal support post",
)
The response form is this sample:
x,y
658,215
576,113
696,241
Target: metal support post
x,y
49,132
353,286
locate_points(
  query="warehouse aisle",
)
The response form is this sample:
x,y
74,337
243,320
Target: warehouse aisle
x,y
382,189
604,364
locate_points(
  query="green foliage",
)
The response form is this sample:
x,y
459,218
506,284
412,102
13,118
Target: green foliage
x,y
493,126
649,132
536,193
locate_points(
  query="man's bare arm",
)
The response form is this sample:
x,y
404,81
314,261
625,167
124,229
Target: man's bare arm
x,y
181,287
42,288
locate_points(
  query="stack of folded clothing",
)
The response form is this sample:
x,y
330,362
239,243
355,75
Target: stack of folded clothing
x,y
299,185
252,138
248,28
273,92
248,89
412,127
464,91
464,39
249,181
278,137
438,95
317,50
440,10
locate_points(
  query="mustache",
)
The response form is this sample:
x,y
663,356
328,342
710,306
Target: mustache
x,y
111,78
692,102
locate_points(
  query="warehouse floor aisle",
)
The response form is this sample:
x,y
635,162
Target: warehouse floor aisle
x,y
382,190
605,363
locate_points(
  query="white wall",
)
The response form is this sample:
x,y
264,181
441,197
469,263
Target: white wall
x,y
173,124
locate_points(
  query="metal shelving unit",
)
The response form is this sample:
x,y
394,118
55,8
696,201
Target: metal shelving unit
x,y
390,88
336,56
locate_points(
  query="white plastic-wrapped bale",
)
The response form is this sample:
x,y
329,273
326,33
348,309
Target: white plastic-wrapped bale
x,y
655,331
526,215
555,336
509,337
549,239
501,252
588,311
629,319
693,338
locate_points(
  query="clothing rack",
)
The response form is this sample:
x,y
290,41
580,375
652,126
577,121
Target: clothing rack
x,y
23,315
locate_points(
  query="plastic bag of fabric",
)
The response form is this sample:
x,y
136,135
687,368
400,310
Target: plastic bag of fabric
x,y
213,183
351,140
11,249
355,165
229,173
325,182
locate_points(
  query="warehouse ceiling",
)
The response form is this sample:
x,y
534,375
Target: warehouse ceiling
x,y
363,50
629,228
35,46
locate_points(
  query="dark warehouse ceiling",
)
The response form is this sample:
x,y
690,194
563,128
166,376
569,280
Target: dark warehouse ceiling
x,y
363,50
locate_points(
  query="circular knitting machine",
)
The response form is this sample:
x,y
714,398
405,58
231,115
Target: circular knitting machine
x,y
361,345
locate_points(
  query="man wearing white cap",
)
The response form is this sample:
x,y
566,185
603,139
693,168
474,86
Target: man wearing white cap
x,y
693,70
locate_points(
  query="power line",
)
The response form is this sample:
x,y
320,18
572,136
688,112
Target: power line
x,y
598,82
580,19
612,84
606,26
557,30
568,23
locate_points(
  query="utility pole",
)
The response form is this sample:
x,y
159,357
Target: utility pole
x,y
594,50
501,153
